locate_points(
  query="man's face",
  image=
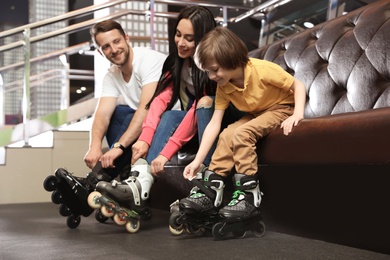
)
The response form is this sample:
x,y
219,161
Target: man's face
x,y
114,46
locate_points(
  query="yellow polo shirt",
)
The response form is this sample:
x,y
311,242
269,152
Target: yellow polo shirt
x,y
265,84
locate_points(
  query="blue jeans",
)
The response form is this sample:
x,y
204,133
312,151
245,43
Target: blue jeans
x,y
170,120
120,120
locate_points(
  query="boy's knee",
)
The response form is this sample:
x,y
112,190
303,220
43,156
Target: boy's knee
x,y
205,102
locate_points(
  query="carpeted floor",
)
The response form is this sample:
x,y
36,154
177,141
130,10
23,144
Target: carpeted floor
x,y
37,231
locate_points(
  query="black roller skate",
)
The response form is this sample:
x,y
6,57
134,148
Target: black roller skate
x,y
125,201
243,212
199,211
71,193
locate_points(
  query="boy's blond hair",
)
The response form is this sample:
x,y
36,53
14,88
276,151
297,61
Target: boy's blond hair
x,y
222,46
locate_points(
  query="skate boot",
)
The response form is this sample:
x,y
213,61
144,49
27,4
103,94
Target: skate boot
x,y
199,211
243,211
125,201
71,193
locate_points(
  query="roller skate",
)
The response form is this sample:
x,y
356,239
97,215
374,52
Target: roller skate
x,y
243,212
199,211
71,192
125,201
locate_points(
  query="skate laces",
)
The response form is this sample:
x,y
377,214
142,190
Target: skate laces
x,y
236,197
197,194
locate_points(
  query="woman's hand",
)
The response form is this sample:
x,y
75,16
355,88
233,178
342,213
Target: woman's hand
x,y
140,150
158,164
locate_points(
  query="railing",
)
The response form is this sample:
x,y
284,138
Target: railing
x,y
67,74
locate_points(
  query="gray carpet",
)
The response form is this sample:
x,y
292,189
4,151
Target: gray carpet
x,y
37,231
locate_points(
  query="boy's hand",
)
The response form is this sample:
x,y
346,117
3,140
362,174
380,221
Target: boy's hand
x,y
191,170
289,123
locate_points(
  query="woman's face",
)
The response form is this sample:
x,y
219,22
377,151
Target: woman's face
x,y
185,39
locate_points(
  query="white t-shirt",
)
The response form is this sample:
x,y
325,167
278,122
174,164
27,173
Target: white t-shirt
x,y
147,67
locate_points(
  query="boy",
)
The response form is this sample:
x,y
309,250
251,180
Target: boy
x,y
271,98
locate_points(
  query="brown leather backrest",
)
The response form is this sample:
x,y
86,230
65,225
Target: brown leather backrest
x,y
344,62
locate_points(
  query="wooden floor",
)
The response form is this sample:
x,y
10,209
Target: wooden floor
x,y
37,231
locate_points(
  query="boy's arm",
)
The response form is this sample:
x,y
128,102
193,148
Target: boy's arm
x,y
300,98
210,134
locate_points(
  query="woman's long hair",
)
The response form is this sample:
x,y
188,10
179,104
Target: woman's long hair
x,y
202,21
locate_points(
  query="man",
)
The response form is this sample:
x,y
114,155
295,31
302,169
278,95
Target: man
x,y
133,75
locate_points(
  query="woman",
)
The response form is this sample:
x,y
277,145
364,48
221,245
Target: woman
x,y
182,85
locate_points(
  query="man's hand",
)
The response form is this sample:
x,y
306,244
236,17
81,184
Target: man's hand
x,y
109,157
92,157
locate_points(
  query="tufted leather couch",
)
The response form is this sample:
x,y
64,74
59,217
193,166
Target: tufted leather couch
x,y
330,178
345,65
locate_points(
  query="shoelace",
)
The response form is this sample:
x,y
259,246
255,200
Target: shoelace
x,y
197,194
235,197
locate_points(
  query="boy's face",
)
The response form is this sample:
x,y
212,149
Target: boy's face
x,y
218,74
114,46
184,39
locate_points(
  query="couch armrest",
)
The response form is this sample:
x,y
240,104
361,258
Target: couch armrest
x,y
345,139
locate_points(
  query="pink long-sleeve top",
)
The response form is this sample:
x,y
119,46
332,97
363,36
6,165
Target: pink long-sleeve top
x,y
184,132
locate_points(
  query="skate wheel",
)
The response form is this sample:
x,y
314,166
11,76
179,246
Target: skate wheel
x,y
132,227
147,214
260,229
93,201
218,232
239,234
50,183
192,230
118,219
64,210
175,226
106,212
99,216
73,221
56,197
176,231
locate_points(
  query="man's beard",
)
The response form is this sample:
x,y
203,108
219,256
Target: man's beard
x,y
126,54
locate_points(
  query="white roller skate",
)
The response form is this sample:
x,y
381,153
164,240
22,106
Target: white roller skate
x,y
125,201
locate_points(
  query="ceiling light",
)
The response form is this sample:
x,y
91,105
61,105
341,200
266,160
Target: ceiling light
x,y
308,24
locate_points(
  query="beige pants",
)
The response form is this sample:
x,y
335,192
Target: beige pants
x,y
236,145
